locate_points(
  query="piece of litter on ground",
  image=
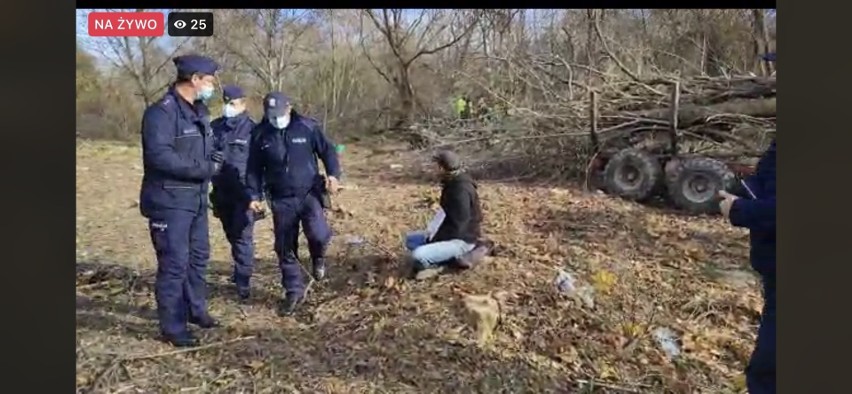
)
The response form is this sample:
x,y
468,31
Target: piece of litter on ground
x,y
667,340
586,294
396,166
566,283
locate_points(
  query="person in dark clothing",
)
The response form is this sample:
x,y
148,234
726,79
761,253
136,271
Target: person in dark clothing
x,y
283,163
179,160
232,135
460,232
757,214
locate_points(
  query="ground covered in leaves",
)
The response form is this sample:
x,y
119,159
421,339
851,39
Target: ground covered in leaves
x,y
368,329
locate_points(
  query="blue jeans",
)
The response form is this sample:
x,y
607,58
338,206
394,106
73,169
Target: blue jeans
x,y
437,253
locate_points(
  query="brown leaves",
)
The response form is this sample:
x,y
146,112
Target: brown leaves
x,y
255,365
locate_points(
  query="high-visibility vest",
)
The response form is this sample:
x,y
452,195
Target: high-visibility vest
x,y
460,106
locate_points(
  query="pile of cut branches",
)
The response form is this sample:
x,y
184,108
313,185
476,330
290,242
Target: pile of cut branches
x,y
547,132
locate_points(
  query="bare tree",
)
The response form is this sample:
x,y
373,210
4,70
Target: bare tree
x,y
263,41
410,37
143,59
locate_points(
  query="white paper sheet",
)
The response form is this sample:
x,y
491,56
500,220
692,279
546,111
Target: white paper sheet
x,y
433,226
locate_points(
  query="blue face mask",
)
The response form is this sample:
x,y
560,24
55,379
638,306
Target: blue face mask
x,y
230,111
205,93
280,122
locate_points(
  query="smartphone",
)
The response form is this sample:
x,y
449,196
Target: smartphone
x,y
748,189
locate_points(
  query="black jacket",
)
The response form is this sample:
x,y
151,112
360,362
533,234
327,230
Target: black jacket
x,y
758,215
460,203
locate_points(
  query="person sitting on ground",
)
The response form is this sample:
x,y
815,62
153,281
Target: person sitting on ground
x,y
457,240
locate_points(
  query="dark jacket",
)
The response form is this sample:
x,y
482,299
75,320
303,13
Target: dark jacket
x,y
232,136
460,203
176,146
758,215
284,162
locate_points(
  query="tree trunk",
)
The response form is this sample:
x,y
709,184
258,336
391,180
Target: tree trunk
x,y
591,48
693,114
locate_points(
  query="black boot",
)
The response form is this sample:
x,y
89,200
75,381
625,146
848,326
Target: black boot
x,y
288,305
181,340
205,322
319,268
242,287
243,293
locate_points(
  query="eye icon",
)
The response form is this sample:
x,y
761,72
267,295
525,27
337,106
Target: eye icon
x,y
179,24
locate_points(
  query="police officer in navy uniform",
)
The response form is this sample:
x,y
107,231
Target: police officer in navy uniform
x,y
283,161
232,135
754,209
179,161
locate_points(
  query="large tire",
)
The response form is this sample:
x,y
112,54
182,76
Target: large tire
x,y
633,174
694,184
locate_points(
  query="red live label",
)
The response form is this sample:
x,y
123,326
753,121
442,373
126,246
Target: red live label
x,y
126,24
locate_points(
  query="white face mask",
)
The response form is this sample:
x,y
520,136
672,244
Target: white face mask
x,y
231,110
280,122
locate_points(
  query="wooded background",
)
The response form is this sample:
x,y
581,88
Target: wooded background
x,y
369,72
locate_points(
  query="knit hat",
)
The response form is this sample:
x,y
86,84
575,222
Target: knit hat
x,y
448,160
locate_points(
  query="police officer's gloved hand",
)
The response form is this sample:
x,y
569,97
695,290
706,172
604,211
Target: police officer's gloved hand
x,y
218,157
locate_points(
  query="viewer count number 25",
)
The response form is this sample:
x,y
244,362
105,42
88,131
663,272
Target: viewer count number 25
x,y
190,24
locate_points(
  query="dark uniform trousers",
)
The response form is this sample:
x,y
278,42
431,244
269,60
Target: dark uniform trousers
x,y
182,246
286,215
760,372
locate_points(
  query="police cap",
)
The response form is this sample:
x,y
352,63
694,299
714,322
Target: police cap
x,y
275,104
195,64
232,92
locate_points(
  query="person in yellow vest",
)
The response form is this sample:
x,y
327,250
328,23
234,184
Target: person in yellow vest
x,y
460,106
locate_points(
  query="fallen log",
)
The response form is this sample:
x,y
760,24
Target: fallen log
x,y
690,115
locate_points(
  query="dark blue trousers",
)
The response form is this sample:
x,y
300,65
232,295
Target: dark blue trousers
x,y
760,373
182,244
238,225
287,213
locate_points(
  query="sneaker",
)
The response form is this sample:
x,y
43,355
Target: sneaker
x,y
470,259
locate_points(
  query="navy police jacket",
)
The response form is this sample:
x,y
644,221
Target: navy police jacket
x,y
232,136
284,162
176,146
758,215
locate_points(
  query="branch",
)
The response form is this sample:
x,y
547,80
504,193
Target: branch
x,y
367,52
596,24
439,48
